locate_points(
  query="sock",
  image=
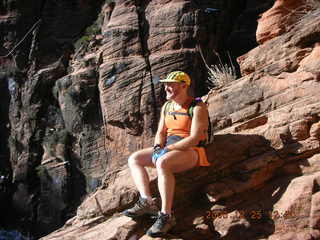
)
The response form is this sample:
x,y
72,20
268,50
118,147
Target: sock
x,y
149,199
166,213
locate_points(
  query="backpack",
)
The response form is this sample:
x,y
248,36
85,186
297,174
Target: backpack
x,y
168,104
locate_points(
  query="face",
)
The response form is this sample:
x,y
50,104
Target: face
x,y
173,90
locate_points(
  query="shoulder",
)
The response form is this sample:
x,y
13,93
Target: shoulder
x,y
167,102
166,106
198,103
200,110
201,104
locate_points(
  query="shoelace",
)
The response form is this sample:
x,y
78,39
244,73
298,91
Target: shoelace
x,y
140,204
162,220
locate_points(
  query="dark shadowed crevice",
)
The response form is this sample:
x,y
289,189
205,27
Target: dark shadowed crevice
x,y
5,167
143,37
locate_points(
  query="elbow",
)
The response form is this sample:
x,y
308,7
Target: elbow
x,y
160,135
195,140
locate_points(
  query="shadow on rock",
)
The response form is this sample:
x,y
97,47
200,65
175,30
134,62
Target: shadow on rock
x,y
235,196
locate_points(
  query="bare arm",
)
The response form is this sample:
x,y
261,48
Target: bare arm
x,y
161,134
199,126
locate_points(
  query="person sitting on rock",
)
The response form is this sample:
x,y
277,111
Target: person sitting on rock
x,y
178,146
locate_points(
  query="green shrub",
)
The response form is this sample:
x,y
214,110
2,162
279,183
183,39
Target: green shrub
x,y
41,171
83,41
89,33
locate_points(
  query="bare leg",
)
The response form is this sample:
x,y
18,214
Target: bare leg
x,y
173,162
137,163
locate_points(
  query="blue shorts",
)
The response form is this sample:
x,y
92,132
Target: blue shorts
x,y
173,139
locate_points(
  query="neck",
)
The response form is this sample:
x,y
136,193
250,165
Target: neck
x,y
182,99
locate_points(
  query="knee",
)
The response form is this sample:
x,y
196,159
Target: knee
x,y
162,164
134,159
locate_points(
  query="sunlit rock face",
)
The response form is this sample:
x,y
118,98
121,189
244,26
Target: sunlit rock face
x,y
281,17
85,96
264,180
84,93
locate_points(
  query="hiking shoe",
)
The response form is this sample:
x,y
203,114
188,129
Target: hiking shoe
x,y
163,224
142,207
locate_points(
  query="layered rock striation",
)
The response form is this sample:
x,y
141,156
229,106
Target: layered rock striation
x,y
264,179
85,95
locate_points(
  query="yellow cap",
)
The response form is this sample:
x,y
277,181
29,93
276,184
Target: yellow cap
x,y
177,76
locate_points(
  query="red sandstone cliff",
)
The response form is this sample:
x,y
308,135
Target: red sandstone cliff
x,y
264,181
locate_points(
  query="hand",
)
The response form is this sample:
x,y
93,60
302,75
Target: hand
x,y
157,153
